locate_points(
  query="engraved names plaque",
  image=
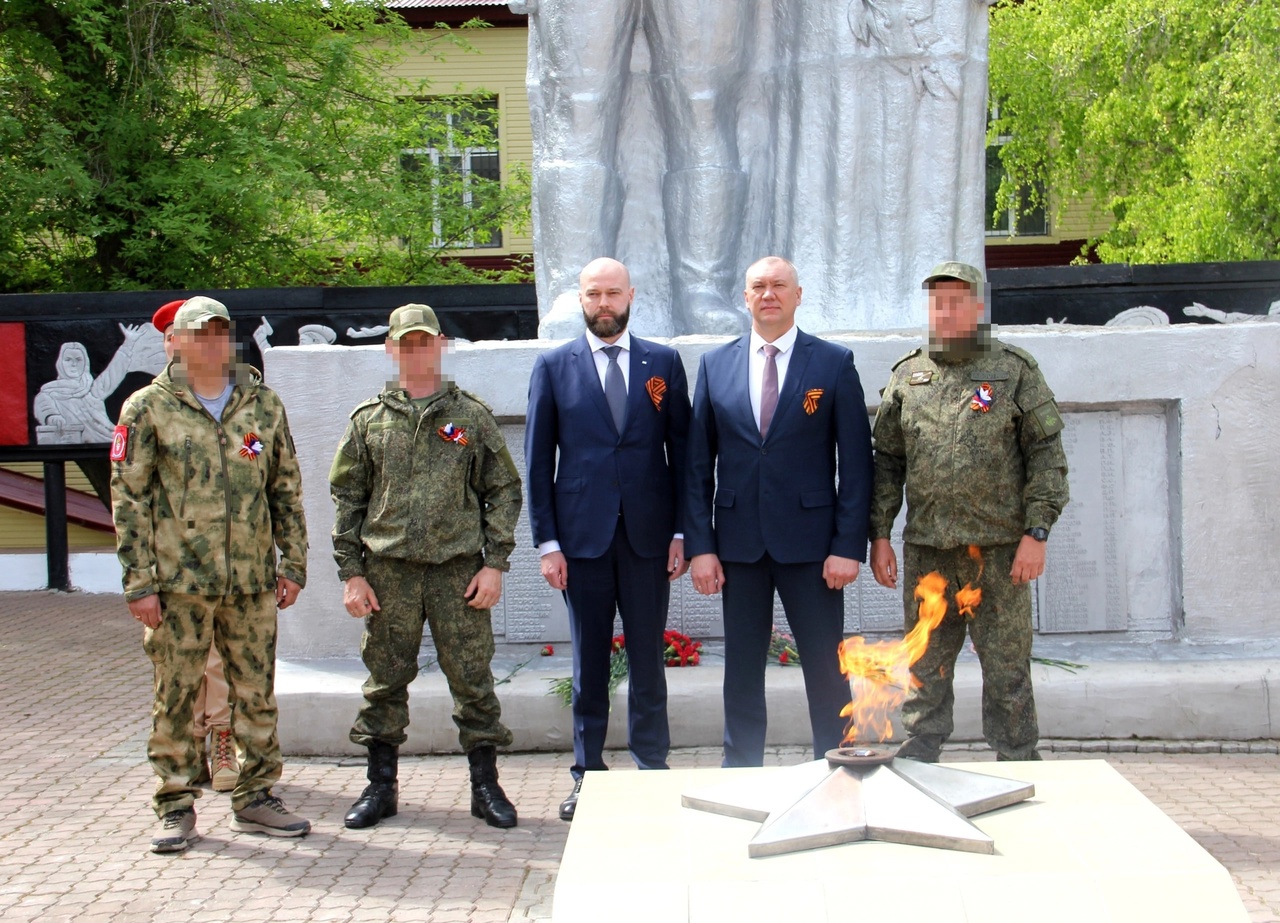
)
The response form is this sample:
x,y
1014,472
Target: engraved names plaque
x,y
1083,584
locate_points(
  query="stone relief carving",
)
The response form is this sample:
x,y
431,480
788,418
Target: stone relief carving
x,y
1196,309
71,408
1141,316
689,139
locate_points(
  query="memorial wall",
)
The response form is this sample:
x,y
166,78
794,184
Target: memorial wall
x,y
1170,437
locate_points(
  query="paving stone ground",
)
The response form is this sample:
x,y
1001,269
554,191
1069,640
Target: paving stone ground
x,y
75,821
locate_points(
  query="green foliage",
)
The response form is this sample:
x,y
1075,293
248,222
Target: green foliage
x,y
1165,112
228,143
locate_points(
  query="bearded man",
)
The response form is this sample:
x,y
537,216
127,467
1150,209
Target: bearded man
x,y
607,518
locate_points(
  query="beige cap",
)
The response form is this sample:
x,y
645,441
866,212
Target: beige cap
x,y
410,317
953,270
198,311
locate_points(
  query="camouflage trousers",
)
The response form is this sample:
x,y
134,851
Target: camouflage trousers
x,y
1001,633
409,595
243,627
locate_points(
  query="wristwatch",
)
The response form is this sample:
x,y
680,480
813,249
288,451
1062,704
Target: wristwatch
x,y
1039,533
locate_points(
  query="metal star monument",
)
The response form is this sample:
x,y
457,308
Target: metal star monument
x,y
862,794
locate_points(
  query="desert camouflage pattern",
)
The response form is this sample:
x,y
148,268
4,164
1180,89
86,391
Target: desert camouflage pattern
x,y
196,512
409,594
423,483
243,625
1001,633
971,477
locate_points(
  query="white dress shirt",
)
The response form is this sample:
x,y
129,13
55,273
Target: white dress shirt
x,y
602,358
755,366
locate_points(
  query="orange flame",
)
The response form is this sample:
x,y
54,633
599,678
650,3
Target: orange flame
x,y
880,671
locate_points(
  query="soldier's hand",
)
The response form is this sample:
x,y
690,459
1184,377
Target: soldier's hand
x,y
677,563
706,573
359,597
1028,560
147,610
485,589
839,572
286,592
884,563
555,569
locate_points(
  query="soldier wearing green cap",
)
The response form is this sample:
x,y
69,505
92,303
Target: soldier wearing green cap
x,y
207,500
427,499
971,430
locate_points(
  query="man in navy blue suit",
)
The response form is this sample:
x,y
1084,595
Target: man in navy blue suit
x,y
777,416
607,518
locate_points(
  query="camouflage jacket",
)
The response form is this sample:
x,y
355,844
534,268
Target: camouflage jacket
x,y
201,505
423,486
973,474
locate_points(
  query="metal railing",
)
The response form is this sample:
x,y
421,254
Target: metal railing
x,y
54,459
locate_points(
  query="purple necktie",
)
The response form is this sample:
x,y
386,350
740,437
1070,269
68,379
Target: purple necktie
x,y
768,389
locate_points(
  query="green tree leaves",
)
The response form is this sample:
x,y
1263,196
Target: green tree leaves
x,y
220,143
1163,112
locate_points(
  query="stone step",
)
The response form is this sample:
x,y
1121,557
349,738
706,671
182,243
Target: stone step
x,y
1209,700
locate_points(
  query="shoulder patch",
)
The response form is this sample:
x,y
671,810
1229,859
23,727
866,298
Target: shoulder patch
x,y
120,444
371,402
1021,354
911,355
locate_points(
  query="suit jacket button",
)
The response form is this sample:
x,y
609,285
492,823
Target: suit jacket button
x,y
764,451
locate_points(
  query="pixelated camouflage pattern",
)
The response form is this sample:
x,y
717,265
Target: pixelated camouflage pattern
x,y
971,477
403,491
463,638
194,515
1001,633
244,626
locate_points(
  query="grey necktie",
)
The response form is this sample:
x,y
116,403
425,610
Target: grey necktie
x,y
615,389
768,389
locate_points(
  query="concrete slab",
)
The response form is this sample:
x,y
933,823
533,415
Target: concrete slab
x,y
1110,700
1089,846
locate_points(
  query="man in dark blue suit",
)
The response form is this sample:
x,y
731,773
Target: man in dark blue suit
x,y
606,518
777,416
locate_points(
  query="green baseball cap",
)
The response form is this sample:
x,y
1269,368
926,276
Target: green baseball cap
x,y
954,270
198,311
410,317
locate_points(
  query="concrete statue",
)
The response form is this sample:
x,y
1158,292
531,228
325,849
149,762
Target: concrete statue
x,y
689,138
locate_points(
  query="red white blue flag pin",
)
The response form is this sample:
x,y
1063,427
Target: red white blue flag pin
x,y
982,398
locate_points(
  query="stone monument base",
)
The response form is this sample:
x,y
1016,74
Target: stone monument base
x,y
1168,700
1089,846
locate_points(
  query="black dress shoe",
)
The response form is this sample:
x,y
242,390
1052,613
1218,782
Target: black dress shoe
x,y
570,804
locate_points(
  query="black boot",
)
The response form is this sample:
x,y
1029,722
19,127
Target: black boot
x,y
378,800
487,797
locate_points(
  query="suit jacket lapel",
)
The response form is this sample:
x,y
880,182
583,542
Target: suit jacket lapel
x,y
638,400
801,352
589,380
741,390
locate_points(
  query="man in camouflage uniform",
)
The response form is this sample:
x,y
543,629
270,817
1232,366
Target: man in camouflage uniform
x,y
427,499
205,488
972,430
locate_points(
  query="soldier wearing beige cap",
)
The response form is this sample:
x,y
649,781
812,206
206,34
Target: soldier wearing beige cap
x,y
212,537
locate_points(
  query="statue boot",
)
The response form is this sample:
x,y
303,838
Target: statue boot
x,y
704,214
577,212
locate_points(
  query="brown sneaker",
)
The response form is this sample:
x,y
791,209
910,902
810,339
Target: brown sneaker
x,y
267,814
177,831
226,771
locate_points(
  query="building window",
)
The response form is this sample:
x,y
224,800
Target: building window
x,y
1016,220
460,136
